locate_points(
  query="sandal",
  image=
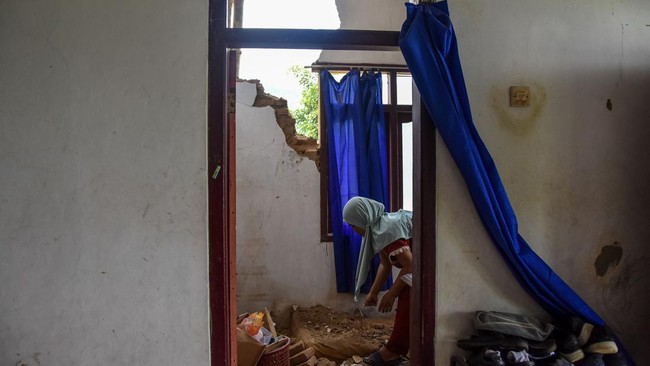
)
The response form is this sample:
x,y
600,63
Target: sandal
x,y
375,359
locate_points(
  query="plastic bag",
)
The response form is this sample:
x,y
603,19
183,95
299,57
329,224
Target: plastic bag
x,y
252,324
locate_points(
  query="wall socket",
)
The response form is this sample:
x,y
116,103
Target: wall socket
x,y
519,96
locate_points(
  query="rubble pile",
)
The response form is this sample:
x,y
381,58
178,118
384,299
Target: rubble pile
x,y
317,336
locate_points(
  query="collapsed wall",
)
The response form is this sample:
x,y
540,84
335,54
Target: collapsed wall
x,y
303,145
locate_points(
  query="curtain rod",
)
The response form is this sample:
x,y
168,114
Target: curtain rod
x,y
349,66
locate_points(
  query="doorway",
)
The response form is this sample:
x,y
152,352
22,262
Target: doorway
x,y
221,176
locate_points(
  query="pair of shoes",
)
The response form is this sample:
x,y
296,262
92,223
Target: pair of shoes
x,y
576,326
487,357
519,358
492,341
570,349
375,359
601,341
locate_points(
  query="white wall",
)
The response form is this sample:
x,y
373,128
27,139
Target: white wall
x,y
576,172
102,190
368,15
280,259
103,183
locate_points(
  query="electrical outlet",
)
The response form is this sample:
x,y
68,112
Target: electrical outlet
x,y
519,96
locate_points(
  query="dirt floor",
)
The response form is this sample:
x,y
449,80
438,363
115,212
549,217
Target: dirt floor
x,y
339,336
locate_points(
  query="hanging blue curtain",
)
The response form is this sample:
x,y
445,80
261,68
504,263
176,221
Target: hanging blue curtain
x,y
356,139
428,43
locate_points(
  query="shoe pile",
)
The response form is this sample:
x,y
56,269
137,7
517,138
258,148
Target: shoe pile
x,y
498,349
505,339
587,345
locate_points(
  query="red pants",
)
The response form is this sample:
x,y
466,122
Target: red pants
x,y
399,338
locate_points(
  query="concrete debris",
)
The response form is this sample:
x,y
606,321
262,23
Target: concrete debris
x,y
312,361
296,348
302,357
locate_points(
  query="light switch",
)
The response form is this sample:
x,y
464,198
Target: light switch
x,y
519,96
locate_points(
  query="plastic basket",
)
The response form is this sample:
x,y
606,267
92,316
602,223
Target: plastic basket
x,y
279,356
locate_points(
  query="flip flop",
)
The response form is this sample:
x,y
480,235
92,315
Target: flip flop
x,y
374,359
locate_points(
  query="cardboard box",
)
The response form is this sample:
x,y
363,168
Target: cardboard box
x,y
249,350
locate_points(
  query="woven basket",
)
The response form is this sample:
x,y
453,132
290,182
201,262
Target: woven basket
x,y
279,356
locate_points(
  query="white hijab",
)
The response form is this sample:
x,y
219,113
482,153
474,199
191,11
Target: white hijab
x,y
382,228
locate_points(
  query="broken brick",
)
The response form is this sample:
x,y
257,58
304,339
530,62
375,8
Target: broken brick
x,y
302,357
296,348
303,145
312,361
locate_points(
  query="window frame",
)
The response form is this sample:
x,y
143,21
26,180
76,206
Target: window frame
x,y
394,115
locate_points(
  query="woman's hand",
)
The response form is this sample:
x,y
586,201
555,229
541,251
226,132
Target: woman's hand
x,y
386,303
371,300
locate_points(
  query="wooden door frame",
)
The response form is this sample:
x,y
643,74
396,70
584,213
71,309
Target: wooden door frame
x,y
221,178
221,255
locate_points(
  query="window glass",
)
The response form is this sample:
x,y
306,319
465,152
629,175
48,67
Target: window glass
x,y
404,89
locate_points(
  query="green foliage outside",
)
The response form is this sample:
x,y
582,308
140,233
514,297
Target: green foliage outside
x,y
306,115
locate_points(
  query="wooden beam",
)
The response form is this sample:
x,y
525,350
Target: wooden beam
x,y
220,248
320,39
423,294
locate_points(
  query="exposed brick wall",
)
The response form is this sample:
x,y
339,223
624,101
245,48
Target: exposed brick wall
x,y
303,145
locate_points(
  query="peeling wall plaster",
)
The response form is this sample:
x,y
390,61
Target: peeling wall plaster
x,y
302,145
609,257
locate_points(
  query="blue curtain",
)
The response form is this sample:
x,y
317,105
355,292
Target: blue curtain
x,y
428,43
356,139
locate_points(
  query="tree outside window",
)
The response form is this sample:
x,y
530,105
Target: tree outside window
x,y
306,115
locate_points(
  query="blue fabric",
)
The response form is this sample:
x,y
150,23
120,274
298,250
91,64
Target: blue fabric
x,y
358,165
428,43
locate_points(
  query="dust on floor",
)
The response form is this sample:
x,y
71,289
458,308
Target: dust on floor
x,y
339,336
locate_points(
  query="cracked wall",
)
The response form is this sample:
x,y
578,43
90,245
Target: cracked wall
x,y
280,259
302,145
